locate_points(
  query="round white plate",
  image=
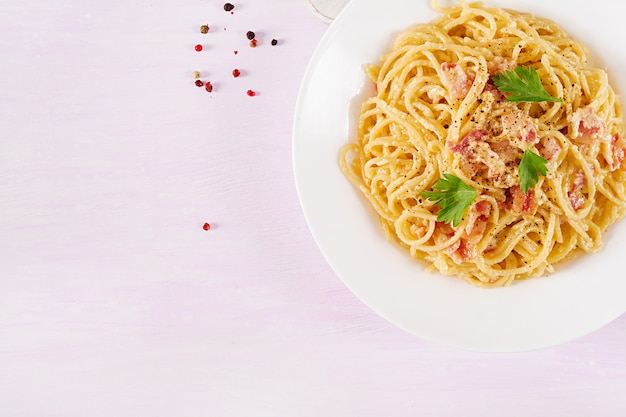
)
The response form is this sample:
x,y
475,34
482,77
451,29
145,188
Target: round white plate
x,y
576,300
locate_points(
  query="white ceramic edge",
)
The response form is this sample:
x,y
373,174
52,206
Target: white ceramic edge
x,y
409,304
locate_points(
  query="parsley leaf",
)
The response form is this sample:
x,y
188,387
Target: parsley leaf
x,y
453,196
529,169
524,84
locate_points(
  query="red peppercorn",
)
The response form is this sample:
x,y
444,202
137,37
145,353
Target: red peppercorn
x,y
198,47
199,83
206,226
236,73
235,52
251,93
253,43
208,87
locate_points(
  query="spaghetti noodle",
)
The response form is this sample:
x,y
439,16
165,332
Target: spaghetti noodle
x,y
437,113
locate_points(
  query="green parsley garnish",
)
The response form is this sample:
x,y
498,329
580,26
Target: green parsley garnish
x,y
529,169
453,196
524,84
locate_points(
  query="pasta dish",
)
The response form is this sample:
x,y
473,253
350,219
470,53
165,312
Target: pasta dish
x,y
491,150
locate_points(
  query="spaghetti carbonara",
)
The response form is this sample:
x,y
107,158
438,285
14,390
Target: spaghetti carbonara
x,y
471,171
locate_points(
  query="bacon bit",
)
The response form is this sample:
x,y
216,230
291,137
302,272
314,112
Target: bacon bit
x,y
519,202
455,79
476,232
613,152
206,226
478,156
506,151
520,126
482,207
576,199
586,123
463,250
590,122
251,93
618,153
209,87
477,221
501,64
579,181
444,229
467,251
550,148
418,231
236,73
253,43
479,135
198,83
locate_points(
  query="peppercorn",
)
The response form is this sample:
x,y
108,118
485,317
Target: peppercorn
x,y
206,226
209,87
198,47
204,28
196,74
228,7
199,83
236,73
251,93
250,35
253,43
274,42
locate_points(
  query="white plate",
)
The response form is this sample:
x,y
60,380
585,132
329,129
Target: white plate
x,y
573,302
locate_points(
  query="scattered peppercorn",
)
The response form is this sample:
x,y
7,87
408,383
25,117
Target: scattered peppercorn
x,y
204,29
196,74
250,35
236,73
251,93
228,7
274,42
199,83
235,52
253,43
198,47
209,87
206,226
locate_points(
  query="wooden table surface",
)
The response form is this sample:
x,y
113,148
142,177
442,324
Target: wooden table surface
x,y
114,301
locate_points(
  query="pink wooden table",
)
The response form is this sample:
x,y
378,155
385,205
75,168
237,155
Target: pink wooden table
x,y
113,299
